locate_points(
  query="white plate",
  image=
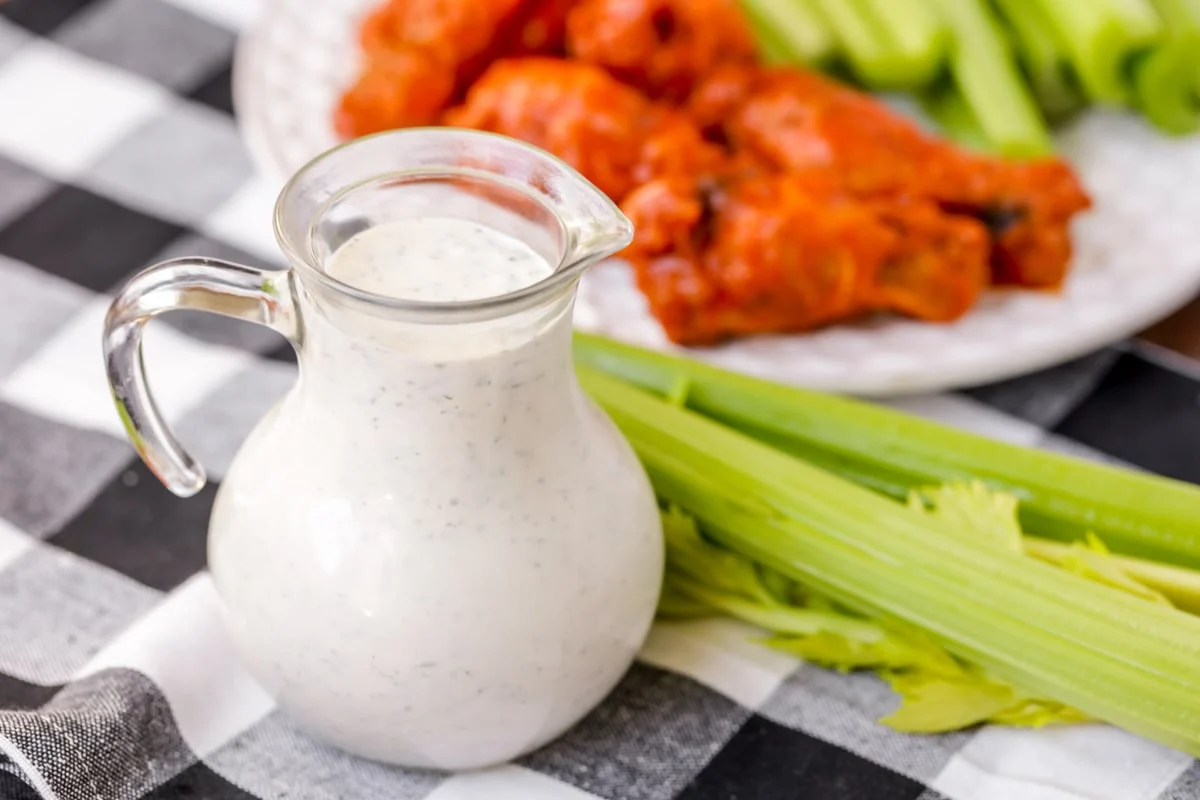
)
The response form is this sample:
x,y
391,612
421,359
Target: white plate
x,y
1137,255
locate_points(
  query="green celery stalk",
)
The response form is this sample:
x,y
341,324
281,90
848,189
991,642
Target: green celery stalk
x,y
1048,632
1044,58
983,69
1164,87
1103,36
874,58
1060,497
789,31
1178,15
771,47
1166,81
953,115
1181,18
919,33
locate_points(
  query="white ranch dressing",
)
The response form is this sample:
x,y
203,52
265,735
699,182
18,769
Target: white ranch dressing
x,y
435,551
436,259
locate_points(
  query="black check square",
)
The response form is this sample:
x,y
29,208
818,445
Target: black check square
x,y
1142,414
767,761
49,471
20,188
1045,398
153,38
19,694
198,782
215,90
138,528
647,740
85,238
41,16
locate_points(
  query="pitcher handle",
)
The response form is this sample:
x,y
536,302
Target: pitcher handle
x,y
204,284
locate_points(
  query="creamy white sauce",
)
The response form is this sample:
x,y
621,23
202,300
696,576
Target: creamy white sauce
x,y
435,551
436,259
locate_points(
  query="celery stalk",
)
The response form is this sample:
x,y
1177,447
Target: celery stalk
x,y
1103,36
1178,15
1181,19
1049,632
984,71
789,30
919,33
1061,497
1044,57
1166,81
953,115
1164,88
874,57
771,47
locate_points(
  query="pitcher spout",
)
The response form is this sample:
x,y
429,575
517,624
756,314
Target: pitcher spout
x,y
596,226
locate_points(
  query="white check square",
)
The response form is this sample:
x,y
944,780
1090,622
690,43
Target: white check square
x,y
65,379
1073,762
61,110
508,782
244,220
722,654
14,543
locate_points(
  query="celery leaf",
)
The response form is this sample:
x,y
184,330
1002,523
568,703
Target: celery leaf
x,y
972,508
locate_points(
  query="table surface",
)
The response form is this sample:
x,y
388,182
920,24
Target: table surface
x,y
118,148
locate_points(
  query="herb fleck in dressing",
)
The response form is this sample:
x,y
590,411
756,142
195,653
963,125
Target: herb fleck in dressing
x,y
435,551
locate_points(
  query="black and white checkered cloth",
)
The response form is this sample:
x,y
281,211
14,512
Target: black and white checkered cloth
x,y
117,149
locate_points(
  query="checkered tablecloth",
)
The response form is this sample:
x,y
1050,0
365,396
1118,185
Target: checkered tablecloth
x,y
117,149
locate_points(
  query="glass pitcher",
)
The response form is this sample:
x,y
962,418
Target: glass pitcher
x,y
434,550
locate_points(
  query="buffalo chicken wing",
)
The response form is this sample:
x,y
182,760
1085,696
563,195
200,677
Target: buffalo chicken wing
x,y
793,120
420,55
608,131
783,253
662,47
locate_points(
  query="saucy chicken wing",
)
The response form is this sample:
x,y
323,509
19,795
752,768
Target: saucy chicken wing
x,y
662,47
794,120
420,55
608,131
785,253
399,89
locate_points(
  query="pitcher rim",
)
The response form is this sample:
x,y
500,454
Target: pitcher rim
x,y
566,272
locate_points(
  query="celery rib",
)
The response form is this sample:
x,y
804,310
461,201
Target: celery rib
x,y
1166,81
788,487
985,73
874,58
1082,643
919,34
789,30
1163,87
953,115
1061,497
1044,57
1102,37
